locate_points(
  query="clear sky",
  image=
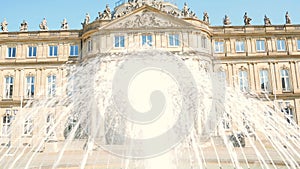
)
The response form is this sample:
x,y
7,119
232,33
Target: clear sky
x,y
33,11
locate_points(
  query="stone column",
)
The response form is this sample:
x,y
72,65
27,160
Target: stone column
x,y
297,75
293,76
16,84
251,77
278,80
256,77
1,84
273,78
22,79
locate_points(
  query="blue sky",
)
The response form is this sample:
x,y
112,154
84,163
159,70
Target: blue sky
x,y
33,11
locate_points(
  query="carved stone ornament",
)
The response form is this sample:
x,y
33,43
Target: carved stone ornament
x,y
145,19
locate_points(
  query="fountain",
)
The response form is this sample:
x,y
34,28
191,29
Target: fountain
x,y
152,109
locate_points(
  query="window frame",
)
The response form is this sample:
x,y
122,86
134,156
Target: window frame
x,y
243,80
260,47
119,41
89,45
11,52
281,45
264,78
219,47
28,127
298,44
240,46
173,40
286,80
147,39
51,85
204,43
32,51
8,87
75,52
6,124
30,87
53,51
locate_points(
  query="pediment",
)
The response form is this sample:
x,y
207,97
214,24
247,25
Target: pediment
x,y
146,18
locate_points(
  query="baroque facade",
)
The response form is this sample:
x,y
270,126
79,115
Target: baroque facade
x,y
263,59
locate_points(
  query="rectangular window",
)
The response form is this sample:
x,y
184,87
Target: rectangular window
x,y
28,126
9,87
203,42
260,45
11,53
89,45
29,93
226,121
174,40
285,80
119,41
243,81
147,40
281,45
53,51
6,127
50,125
240,46
264,80
74,50
298,44
51,86
219,47
32,51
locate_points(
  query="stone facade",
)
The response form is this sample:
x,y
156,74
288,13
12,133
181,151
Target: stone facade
x,y
263,59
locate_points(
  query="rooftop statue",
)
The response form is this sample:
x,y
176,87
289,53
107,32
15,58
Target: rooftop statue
x,y
287,18
267,20
226,20
86,19
43,25
205,17
64,24
24,26
185,10
247,19
106,13
4,25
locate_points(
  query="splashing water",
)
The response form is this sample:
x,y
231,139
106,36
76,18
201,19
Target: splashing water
x,y
151,109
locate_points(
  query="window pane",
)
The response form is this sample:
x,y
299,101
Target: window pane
x,y
219,47
281,45
260,45
298,44
240,46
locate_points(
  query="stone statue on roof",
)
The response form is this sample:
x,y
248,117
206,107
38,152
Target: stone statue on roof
x,y
64,24
287,18
267,20
247,19
43,25
185,10
24,26
205,17
86,20
226,20
4,25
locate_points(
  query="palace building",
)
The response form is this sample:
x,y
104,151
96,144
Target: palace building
x,y
261,59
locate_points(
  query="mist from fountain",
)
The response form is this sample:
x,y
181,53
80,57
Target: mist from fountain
x,y
99,136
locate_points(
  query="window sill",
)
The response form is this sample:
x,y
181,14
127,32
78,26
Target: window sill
x,y
10,58
7,100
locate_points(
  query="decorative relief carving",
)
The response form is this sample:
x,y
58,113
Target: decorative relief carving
x,y
145,19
